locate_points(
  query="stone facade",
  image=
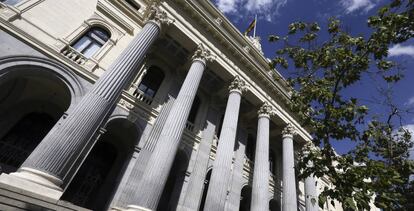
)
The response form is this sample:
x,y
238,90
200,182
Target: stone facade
x,y
142,105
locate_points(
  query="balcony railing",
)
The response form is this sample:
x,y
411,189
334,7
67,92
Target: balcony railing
x,y
189,126
74,55
141,96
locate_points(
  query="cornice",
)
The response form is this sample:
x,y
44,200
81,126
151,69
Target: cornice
x,y
255,62
226,34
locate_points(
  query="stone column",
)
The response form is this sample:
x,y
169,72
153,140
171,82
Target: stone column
x,y
126,195
237,181
260,189
51,165
158,166
311,196
289,183
194,192
219,183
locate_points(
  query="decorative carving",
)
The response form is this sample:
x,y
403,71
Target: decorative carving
x,y
266,109
218,21
154,13
202,53
238,84
246,48
289,130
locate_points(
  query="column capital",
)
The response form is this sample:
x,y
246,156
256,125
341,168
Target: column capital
x,y
156,15
289,130
203,54
266,110
238,85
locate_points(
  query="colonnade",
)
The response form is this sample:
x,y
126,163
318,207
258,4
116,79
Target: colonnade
x,y
54,162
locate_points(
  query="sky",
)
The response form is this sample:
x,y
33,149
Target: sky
x,y
274,16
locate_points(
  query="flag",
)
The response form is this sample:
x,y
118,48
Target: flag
x,y
251,27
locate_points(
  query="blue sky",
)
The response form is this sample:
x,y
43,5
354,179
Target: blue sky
x,y
275,15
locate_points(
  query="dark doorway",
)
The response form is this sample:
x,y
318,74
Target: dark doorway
x,y
97,179
17,144
246,198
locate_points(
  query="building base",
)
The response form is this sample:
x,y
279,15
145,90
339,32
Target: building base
x,y
22,183
13,198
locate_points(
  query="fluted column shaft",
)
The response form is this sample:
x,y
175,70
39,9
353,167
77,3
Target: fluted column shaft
x,y
126,195
289,182
260,189
233,202
311,196
60,149
195,186
158,167
219,183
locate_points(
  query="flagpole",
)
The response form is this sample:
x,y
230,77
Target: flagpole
x,y
255,25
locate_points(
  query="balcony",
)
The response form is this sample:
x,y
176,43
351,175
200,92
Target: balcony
x,y
74,55
141,96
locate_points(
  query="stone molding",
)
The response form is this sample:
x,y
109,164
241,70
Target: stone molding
x,y
238,84
203,54
289,130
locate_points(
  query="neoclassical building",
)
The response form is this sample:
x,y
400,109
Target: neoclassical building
x,y
142,105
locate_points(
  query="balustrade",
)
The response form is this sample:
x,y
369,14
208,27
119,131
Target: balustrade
x,y
74,55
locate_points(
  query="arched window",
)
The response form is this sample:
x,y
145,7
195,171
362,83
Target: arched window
x,y
194,110
22,138
250,148
271,161
10,2
151,82
91,41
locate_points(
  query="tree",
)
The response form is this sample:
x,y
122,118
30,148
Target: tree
x,y
323,72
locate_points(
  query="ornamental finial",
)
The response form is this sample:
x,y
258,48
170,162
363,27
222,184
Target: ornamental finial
x,y
238,84
289,130
202,53
266,109
154,13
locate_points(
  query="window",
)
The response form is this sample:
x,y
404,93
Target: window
x,y
151,82
10,2
91,41
133,4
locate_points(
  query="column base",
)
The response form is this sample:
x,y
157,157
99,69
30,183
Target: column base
x,y
33,181
136,208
